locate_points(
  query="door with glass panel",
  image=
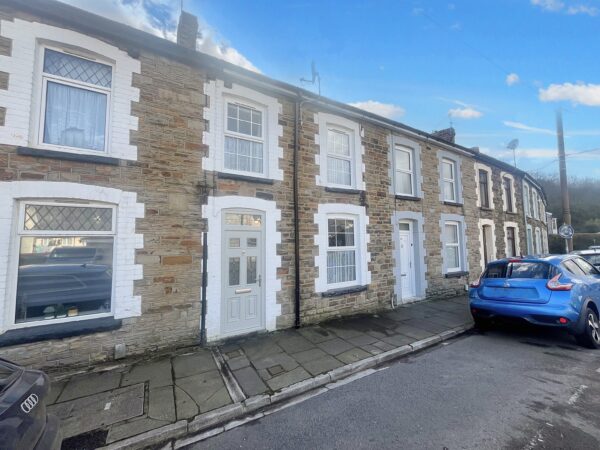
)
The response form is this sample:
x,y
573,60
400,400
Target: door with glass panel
x,y
242,308
407,266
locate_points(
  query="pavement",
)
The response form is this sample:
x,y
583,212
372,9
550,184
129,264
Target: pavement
x,y
510,388
195,392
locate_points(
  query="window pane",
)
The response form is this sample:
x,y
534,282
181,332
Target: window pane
x,y
341,266
451,234
241,119
404,183
341,232
252,220
243,155
449,193
338,143
452,257
63,276
403,160
234,271
69,66
74,117
67,218
339,171
448,170
404,227
250,269
251,242
233,219
234,242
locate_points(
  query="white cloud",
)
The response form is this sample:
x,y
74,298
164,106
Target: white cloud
x,y
512,78
560,6
549,5
523,127
388,110
159,17
580,93
466,112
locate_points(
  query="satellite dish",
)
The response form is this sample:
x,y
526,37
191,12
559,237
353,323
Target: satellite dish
x,y
512,145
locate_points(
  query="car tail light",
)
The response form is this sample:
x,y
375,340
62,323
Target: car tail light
x,y
475,284
555,285
563,320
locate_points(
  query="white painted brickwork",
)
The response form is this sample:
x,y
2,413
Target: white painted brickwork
x,y
125,303
23,96
214,113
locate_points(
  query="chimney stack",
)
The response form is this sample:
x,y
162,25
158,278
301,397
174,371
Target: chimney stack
x,y
187,30
447,134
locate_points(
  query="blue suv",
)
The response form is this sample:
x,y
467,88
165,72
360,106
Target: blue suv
x,y
558,291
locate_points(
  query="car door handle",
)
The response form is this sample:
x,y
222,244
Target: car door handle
x,y
243,291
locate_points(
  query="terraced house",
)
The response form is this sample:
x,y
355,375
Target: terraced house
x,y
120,152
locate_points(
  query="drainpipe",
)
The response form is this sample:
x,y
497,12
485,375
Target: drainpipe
x,y
204,282
297,121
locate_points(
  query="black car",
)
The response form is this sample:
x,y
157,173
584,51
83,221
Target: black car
x,y
24,424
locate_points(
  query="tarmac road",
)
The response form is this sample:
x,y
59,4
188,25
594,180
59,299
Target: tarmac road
x,y
508,388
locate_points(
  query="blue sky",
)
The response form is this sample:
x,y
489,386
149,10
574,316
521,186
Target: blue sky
x,y
497,70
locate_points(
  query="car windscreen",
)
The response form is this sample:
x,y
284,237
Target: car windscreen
x,y
519,269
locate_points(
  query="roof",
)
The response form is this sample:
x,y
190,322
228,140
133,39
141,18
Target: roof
x,y
134,40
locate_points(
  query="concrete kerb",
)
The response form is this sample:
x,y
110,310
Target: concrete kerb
x,y
209,424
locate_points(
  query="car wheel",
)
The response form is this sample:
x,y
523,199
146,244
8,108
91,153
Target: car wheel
x,y
590,336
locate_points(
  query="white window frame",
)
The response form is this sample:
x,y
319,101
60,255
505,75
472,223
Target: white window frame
x,y
326,122
515,226
538,241
456,245
354,248
326,211
44,78
457,181
124,303
513,199
215,113
412,172
478,167
529,238
24,64
526,199
535,204
351,157
452,180
226,132
15,254
494,250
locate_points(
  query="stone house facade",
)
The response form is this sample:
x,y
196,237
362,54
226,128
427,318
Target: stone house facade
x,y
120,152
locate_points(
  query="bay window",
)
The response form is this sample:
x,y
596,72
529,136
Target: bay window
x,y
76,96
65,260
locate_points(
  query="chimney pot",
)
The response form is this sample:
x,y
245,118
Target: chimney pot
x,y
187,30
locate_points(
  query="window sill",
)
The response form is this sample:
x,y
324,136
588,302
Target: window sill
x,y
452,203
343,291
512,213
408,197
67,156
456,274
58,331
248,178
343,190
484,208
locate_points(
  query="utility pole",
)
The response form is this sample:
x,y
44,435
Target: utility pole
x,y
564,188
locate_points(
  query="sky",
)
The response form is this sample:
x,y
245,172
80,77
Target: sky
x,y
496,70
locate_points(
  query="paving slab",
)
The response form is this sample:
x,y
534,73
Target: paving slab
x,y
294,343
398,340
185,406
363,339
193,364
99,410
372,349
288,378
316,334
321,365
206,389
413,332
157,373
427,325
344,330
237,362
123,430
88,384
250,381
335,346
282,359
259,348
309,355
161,403
353,355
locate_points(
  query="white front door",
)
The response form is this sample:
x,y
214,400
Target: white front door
x,y
242,308
407,264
